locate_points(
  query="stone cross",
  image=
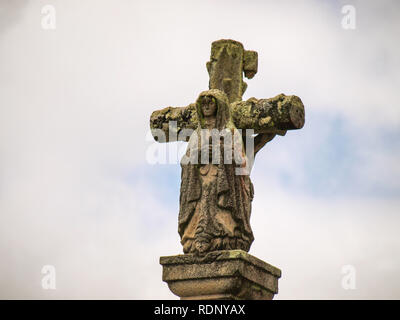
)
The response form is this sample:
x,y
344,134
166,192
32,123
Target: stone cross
x,y
215,201
267,117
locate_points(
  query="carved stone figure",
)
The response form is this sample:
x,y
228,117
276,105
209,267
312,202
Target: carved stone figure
x,y
215,202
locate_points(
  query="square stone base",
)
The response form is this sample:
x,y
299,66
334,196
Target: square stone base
x,y
220,275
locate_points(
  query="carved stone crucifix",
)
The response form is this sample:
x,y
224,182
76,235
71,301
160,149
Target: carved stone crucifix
x,y
215,204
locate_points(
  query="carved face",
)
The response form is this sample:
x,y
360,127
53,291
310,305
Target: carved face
x,y
208,106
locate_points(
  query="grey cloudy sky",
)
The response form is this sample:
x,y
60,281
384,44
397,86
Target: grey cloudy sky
x,y
77,192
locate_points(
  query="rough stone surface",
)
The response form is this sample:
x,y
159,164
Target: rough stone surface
x,y
273,115
225,68
215,200
228,62
228,274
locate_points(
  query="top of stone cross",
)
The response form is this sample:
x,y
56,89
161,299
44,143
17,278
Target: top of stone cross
x,y
228,62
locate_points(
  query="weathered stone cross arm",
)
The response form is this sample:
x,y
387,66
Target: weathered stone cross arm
x,y
274,115
267,117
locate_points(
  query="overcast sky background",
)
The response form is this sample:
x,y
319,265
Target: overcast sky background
x,y
77,192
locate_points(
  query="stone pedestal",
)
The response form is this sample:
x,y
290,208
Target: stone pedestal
x,y
220,275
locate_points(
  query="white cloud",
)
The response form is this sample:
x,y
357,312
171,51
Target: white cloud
x,y
311,239
103,237
74,109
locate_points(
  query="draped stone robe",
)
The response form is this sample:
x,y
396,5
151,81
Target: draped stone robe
x,y
215,201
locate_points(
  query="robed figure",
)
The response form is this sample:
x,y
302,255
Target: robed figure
x,y
215,195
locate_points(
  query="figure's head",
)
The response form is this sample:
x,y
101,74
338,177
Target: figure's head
x,y
215,103
208,106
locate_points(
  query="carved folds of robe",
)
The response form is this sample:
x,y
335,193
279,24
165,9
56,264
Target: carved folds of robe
x,y
215,201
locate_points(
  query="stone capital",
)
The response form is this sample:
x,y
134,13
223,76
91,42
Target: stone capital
x,y
220,275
